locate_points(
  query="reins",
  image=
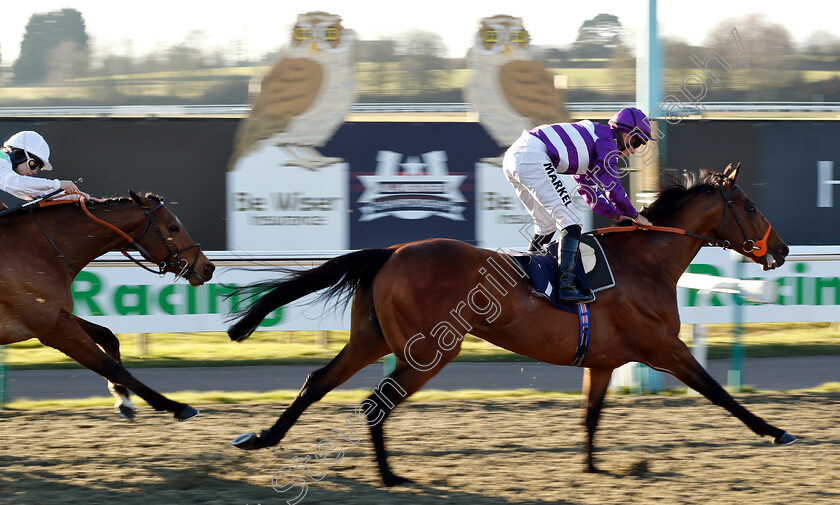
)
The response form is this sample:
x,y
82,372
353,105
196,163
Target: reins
x,y
131,241
667,229
182,265
759,247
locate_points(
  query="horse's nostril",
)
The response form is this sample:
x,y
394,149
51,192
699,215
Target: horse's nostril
x,y
209,268
784,251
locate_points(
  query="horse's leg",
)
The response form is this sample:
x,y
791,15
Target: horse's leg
x,y
595,383
679,362
68,337
106,339
366,345
393,390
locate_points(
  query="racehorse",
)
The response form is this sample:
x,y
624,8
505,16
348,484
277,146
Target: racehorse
x,y
418,300
42,251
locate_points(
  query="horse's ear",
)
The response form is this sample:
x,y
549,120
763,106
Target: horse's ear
x,y
733,173
727,170
139,200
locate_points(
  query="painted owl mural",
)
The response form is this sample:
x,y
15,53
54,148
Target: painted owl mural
x,y
508,89
306,95
282,192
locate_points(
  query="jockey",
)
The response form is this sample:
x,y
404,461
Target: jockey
x,y
589,152
23,155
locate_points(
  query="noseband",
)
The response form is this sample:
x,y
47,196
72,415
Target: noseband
x,y
759,247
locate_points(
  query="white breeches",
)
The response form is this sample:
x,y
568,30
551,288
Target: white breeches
x,y
546,198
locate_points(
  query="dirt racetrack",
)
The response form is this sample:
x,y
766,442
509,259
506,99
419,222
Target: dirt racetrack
x,y
664,450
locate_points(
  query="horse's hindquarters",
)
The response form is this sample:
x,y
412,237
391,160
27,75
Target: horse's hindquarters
x,y
431,293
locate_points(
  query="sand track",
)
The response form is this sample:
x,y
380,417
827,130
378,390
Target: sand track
x,y
662,449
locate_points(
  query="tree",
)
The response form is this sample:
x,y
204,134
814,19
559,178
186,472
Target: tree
x,y
422,53
188,55
50,38
379,56
768,62
552,57
822,43
598,37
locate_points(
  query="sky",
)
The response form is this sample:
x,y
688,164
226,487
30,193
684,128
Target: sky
x,y
253,28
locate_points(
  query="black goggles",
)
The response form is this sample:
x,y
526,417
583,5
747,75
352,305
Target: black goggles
x,y
19,156
35,163
636,141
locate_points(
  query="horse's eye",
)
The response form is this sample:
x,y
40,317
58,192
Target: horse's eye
x,y
174,229
751,209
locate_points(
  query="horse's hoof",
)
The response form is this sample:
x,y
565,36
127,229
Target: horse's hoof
x,y
246,441
783,439
126,412
392,480
186,413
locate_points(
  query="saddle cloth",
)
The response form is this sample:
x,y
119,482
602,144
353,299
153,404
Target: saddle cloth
x,y
593,270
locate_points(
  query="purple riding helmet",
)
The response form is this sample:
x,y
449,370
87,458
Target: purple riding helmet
x,y
632,120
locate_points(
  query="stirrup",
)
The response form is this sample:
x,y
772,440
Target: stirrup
x,y
589,294
574,295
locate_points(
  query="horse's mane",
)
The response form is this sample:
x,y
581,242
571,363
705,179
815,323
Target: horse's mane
x,y
677,187
117,199
105,201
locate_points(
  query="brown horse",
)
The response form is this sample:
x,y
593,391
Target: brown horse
x,y
418,300
45,249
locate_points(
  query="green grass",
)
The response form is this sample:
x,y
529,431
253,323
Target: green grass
x,y
775,339
819,75
216,349
276,348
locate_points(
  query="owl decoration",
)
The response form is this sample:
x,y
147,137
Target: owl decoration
x,y
508,89
306,96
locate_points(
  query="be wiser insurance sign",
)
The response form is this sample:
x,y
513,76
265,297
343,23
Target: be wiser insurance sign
x,y
275,204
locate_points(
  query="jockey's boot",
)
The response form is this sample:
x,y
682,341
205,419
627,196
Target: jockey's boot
x,y
538,242
566,271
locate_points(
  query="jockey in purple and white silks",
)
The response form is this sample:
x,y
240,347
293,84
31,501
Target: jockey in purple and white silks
x,y
590,153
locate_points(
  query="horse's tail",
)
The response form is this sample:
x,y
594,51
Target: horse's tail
x,y
342,275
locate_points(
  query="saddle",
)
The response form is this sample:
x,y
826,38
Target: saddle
x,y
593,270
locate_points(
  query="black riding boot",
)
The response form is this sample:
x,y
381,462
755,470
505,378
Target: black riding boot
x,y
566,289
538,242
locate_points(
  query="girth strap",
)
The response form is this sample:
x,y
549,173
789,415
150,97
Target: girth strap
x,y
583,336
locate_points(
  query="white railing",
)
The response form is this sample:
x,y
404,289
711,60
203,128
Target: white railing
x,y
241,110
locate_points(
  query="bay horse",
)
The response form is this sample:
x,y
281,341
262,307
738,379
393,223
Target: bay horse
x,y
43,249
418,300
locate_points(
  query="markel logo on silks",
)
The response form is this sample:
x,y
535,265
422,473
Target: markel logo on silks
x,y
411,188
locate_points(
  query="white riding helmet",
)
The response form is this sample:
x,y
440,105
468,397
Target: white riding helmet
x,y
31,143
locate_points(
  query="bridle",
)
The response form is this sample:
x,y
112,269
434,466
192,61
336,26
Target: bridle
x,y
759,247
173,262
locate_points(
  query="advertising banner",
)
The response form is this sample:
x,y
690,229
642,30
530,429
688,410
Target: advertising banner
x,y
273,206
127,299
411,181
805,289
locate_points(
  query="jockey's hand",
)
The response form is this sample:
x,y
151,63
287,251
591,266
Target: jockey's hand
x,y
90,198
642,220
69,187
75,197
